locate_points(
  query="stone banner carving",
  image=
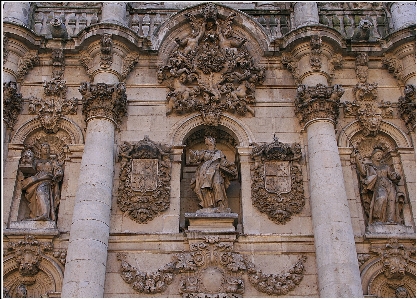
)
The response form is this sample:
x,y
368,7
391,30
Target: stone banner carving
x,y
145,175
277,180
210,70
211,269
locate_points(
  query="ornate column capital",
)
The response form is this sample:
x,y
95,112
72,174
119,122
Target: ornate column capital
x,y
12,103
103,100
318,102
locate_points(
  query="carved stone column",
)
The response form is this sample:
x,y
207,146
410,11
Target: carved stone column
x,y
114,12
305,13
103,105
16,12
337,265
251,225
403,14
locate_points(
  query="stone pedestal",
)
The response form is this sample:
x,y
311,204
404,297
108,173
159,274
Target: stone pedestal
x,y
395,230
211,222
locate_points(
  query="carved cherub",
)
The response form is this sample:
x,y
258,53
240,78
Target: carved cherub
x,y
245,89
180,94
190,43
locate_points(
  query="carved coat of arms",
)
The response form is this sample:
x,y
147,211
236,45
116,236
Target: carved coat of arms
x,y
277,180
145,176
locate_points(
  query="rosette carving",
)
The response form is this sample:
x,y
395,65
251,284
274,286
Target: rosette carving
x,y
277,180
145,176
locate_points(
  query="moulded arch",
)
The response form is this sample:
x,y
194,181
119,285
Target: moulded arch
x,y
182,128
400,138
65,124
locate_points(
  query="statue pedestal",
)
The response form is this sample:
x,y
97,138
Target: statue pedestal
x,y
211,222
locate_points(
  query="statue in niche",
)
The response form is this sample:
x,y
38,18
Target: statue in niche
x,y
41,183
212,177
379,188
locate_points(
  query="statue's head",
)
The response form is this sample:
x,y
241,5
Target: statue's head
x,y
210,141
377,154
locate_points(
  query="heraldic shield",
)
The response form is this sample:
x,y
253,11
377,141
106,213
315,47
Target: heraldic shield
x,y
277,176
144,175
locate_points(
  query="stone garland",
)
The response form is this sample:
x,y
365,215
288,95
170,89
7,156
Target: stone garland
x,y
277,180
145,175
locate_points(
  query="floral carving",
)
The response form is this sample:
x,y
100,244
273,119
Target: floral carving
x,y
407,107
106,49
366,108
104,100
318,101
85,61
292,65
128,64
277,180
362,67
394,66
54,105
210,270
145,176
26,63
211,71
12,103
315,45
58,64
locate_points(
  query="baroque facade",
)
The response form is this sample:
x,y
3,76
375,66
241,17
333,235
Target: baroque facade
x,y
198,149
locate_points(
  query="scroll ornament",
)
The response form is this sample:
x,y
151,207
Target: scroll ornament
x,y
145,175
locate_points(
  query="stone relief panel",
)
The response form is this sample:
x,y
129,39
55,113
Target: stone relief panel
x,y
211,269
389,270
277,180
210,70
145,176
32,268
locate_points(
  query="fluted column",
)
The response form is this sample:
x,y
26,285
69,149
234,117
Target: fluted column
x,y
16,12
337,266
85,270
403,14
114,12
305,13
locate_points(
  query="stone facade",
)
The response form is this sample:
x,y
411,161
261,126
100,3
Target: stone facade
x,y
193,149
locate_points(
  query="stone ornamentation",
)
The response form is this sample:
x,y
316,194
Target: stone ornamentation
x,y
315,60
104,100
212,177
364,32
292,65
318,101
277,180
379,189
106,51
58,64
394,66
25,64
362,67
85,61
129,63
211,71
5,48
54,105
12,103
366,108
211,269
335,63
407,107
145,175
58,29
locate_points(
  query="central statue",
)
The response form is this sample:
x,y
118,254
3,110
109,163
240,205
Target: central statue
x,y
212,177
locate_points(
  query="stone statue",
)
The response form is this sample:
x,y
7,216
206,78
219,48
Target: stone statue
x,y
41,185
380,180
212,176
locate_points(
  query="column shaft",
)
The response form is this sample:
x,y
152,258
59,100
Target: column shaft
x,y
17,12
114,12
403,14
305,13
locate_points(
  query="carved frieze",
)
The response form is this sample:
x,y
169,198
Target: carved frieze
x,y
366,108
12,103
407,107
315,45
106,48
211,70
145,175
361,64
58,64
104,100
54,105
26,63
320,101
211,269
277,180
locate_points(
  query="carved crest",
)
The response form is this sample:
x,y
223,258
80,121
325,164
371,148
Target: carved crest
x,y
210,70
145,176
277,186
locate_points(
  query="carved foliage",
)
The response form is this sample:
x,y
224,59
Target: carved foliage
x,y
145,176
211,70
366,108
292,65
394,66
12,103
85,61
407,107
318,101
104,100
362,67
54,105
128,64
106,49
211,269
58,64
277,180
26,63
315,45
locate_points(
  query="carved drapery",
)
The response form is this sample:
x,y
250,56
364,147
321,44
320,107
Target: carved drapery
x,y
320,101
211,269
211,71
145,175
366,108
407,107
104,100
12,103
54,105
277,180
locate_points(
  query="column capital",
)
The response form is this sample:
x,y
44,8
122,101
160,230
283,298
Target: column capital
x,y
318,102
103,100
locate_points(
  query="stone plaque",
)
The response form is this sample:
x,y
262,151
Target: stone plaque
x,y
144,175
277,176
